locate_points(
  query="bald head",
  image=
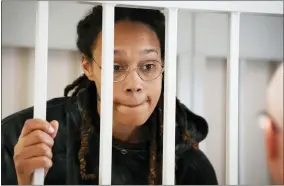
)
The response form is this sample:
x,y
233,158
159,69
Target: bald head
x,y
274,99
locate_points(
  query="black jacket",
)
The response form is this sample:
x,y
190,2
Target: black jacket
x,y
130,164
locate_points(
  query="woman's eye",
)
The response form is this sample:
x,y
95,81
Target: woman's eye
x,y
117,67
148,66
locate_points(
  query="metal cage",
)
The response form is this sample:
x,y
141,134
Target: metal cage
x,y
233,8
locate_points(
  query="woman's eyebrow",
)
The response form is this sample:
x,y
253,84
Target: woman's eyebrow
x,y
116,51
148,51
142,52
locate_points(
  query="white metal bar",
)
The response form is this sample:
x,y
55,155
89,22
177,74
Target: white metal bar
x,y
40,79
106,95
267,7
232,111
170,97
1,66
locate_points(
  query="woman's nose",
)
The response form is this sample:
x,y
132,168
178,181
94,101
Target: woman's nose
x,y
133,82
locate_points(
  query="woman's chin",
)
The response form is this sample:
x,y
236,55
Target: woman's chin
x,y
132,116
131,120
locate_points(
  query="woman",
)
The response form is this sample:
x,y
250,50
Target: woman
x,y
137,115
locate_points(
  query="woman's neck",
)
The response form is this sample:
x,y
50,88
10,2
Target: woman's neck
x,y
124,133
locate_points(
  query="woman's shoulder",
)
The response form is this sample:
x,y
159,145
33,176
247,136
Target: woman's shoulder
x,y
193,167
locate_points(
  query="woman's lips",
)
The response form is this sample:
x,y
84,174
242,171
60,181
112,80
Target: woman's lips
x,y
133,105
132,109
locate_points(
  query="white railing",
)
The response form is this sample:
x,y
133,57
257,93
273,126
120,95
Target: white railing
x,y
234,8
232,103
106,95
170,97
40,79
266,7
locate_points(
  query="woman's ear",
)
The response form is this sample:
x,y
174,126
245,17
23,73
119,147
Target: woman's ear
x,y
87,67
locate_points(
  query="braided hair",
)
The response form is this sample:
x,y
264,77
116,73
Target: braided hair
x,y
87,31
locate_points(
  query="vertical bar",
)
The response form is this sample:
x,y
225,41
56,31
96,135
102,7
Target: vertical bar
x,y
199,68
1,64
170,97
40,79
106,95
232,112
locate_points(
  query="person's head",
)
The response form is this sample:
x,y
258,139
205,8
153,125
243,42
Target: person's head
x,y
138,60
274,126
139,37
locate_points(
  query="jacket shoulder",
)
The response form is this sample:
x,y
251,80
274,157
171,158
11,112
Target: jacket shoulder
x,y
54,107
27,113
12,125
11,128
195,168
195,124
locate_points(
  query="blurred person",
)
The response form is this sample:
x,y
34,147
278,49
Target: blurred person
x,y
67,143
273,125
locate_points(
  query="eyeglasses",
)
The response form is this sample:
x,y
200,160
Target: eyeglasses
x,y
147,71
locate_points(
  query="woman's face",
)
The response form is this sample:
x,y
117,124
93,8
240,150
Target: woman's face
x,y
135,45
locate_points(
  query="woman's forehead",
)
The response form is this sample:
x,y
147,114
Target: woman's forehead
x,y
133,35
138,51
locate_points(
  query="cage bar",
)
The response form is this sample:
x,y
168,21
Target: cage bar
x,y
1,61
233,7
263,7
40,79
232,101
105,160
170,97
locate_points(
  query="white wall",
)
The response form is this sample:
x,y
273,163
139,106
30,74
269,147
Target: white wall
x,y
18,76
214,112
18,23
261,41
199,34
254,80
261,36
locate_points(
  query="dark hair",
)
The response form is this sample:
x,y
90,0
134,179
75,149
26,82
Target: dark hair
x,y
88,30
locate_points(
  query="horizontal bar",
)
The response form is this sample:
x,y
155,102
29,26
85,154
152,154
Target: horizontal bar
x,y
40,79
170,98
247,58
266,7
106,114
232,111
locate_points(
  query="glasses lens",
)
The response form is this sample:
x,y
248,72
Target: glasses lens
x,y
149,70
119,72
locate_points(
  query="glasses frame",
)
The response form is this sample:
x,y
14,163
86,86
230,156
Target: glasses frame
x,y
129,70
